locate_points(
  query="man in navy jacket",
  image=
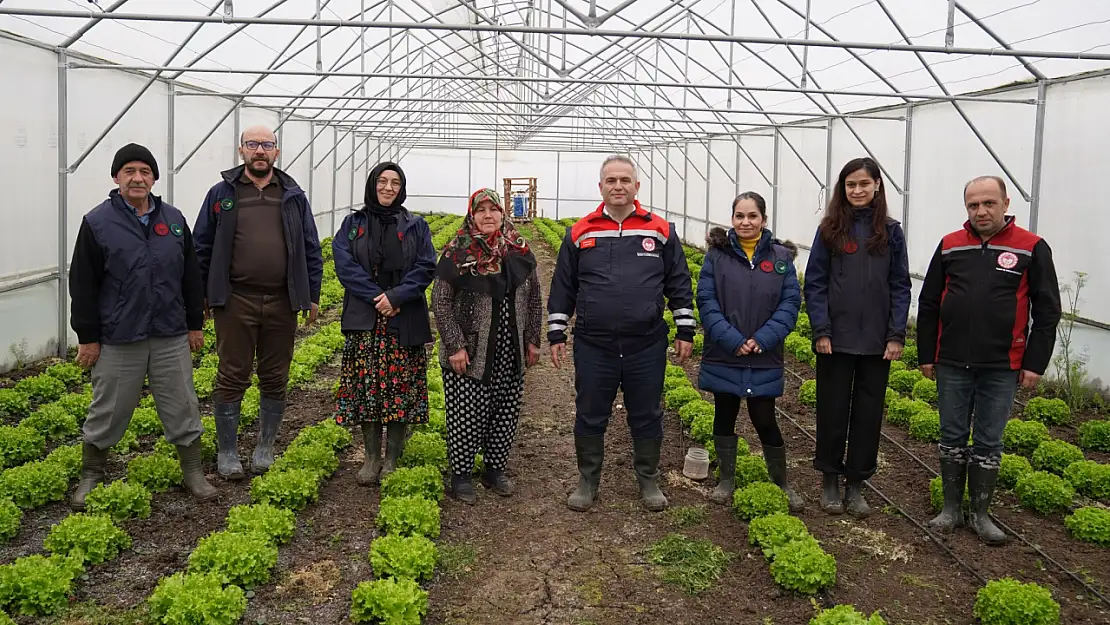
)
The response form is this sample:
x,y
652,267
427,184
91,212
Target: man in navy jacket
x,y
261,264
138,310
615,267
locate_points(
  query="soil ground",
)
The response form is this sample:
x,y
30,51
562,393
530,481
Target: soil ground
x,y
529,560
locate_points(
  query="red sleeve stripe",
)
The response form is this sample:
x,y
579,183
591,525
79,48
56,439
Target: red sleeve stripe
x,y
1021,323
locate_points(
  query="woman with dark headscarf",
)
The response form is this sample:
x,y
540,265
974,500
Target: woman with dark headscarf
x,y
384,258
488,311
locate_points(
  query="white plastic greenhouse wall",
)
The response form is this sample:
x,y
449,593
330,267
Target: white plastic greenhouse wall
x,y
926,149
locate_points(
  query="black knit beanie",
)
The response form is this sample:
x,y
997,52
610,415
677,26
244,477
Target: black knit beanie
x,y
133,152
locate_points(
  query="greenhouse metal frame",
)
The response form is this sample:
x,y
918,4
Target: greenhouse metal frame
x,y
503,81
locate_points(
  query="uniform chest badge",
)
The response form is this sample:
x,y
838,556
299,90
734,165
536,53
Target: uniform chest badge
x,y
780,266
850,247
588,243
1007,260
767,266
161,229
356,233
648,244
176,229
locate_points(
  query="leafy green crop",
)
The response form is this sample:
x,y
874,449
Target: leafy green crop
x,y
909,355
925,426
67,372
409,516
10,519
204,380
52,421
403,557
925,390
319,459
41,387
36,585
701,430
119,500
68,457
807,394
1048,411
14,403
423,481
689,413
904,381
759,499
425,449
769,532
896,365
327,432
692,564
1024,436
1044,492
804,567
845,615
389,602
19,445
127,443
1090,524
1055,456
750,469
76,404
1014,467
292,489
234,558
154,472
675,371
197,599
891,397
276,524
679,397
34,484
803,326
93,537
1089,478
1095,435
671,383
902,410
1007,601
145,422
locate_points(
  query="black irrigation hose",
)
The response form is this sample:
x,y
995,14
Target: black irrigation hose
x,y
999,522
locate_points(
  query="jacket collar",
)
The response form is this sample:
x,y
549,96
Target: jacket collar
x,y
638,211
287,182
975,233
404,218
761,248
117,200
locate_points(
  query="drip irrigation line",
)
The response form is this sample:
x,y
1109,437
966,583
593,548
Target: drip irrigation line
x,y
1087,587
898,508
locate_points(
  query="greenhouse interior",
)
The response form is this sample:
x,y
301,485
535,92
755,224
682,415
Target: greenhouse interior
x,y
709,98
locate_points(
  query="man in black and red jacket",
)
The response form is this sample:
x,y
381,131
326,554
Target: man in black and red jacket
x,y
987,321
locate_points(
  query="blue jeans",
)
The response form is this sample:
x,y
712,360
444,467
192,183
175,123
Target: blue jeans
x,y
988,394
598,373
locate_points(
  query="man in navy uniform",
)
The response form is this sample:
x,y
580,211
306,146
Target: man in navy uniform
x,y
138,311
615,267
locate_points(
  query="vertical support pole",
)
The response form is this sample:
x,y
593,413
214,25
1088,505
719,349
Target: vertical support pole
x,y
334,174
558,178
775,186
651,190
171,125
319,45
354,148
736,177
235,142
906,172
829,190
685,183
1038,153
950,32
469,171
708,179
805,50
280,131
311,158
362,43
666,180
63,200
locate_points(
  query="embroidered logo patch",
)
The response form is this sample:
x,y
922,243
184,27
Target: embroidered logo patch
x,y
1007,260
176,229
780,266
400,236
355,233
161,229
227,204
767,266
588,243
648,244
850,247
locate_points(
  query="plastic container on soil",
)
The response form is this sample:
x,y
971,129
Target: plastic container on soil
x,y
697,464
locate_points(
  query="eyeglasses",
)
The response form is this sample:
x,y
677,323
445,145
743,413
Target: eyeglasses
x,y
254,145
386,182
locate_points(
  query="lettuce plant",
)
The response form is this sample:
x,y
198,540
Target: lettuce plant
x,y
1048,411
14,403
196,598
36,585
807,394
925,390
904,381
1095,435
925,426
775,530
1090,525
155,472
759,499
389,602
52,421
691,411
423,481
1090,478
67,372
1024,437
425,448
276,524
19,445
804,567
1044,492
681,396
319,458
1007,601
292,489
1055,456
41,387
145,422
403,557
119,500
240,559
845,615
901,410
10,519
750,469
34,484
1014,467
409,516
93,537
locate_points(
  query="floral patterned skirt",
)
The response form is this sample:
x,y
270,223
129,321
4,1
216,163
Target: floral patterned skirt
x,y
381,380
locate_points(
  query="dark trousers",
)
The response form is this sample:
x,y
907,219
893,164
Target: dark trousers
x,y
761,410
851,391
252,325
598,374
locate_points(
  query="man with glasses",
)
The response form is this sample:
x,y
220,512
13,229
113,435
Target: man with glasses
x,y
261,264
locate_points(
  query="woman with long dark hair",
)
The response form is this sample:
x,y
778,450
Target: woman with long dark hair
x,y
857,293
384,258
749,297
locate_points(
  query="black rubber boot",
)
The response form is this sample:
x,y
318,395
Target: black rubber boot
x,y
953,475
854,503
270,414
93,461
395,434
831,502
775,459
726,463
590,451
980,485
462,489
372,447
498,482
227,441
645,460
195,483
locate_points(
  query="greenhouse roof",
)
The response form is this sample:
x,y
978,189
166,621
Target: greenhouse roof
x,y
552,73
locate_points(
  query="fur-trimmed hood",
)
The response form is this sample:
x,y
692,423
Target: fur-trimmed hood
x,y
718,237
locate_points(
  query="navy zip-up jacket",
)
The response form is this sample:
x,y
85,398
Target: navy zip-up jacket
x,y
859,300
214,234
740,299
614,277
351,252
128,281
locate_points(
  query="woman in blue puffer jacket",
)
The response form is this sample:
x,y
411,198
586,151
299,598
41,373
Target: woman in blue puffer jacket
x,y
748,297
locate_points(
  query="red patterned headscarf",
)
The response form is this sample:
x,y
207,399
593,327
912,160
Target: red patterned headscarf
x,y
482,254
